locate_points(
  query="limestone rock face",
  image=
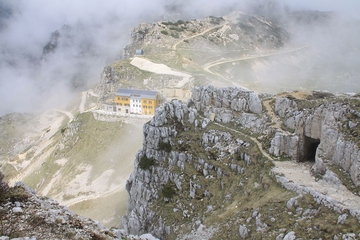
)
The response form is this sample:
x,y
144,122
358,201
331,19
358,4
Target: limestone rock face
x,y
227,103
237,99
109,82
146,183
186,146
326,124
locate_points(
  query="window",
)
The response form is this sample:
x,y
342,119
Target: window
x,y
118,98
150,102
133,105
144,101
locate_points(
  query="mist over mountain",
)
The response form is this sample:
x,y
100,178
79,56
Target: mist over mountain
x,y
36,75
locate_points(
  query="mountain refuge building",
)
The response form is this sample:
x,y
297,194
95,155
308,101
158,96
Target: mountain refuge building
x,y
137,101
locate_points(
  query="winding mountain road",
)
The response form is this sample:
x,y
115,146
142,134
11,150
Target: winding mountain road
x,y
222,61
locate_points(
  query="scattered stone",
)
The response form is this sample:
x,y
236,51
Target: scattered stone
x,y
349,236
290,236
280,236
293,202
342,218
352,124
319,167
17,210
244,232
260,226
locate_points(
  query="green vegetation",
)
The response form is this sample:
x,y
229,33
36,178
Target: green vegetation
x,y
175,35
164,32
176,29
170,23
145,163
165,146
168,191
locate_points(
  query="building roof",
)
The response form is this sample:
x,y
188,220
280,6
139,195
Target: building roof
x,y
140,93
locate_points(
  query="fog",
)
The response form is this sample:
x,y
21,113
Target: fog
x,y
93,34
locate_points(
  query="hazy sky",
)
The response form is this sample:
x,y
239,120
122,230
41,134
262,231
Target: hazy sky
x,y
28,84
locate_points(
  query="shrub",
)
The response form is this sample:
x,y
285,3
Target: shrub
x,y
176,29
170,23
164,32
175,35
3,185
165,146
168,191
145,163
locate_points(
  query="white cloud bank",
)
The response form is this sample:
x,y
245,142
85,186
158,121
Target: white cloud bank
x,y
28,84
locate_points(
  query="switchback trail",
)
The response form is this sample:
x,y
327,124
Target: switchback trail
x,y
216,63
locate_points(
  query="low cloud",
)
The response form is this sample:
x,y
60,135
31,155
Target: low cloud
x,y
100,30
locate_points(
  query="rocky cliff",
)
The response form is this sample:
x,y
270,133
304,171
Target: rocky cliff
x,y
198,178
325,129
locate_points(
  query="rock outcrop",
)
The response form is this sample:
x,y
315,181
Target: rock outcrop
x,y
198,158
325,130
27,214
163,150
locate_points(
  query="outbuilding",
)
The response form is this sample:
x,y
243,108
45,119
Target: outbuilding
x,y
139,52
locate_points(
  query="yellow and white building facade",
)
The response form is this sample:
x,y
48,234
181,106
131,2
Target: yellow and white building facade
x,y
137,101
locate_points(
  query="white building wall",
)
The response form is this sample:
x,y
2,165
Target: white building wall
x,y
135,105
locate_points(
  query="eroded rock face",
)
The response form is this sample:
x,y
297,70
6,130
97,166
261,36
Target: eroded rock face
x,y
175,163
146,183
237,99
109,82
325,122
231,105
